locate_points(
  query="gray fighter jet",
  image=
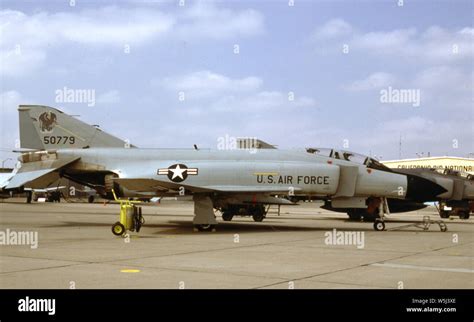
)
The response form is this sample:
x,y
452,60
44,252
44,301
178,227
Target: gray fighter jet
x,y
232,181
458,200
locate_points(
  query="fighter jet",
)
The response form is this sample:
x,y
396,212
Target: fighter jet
x,y
232,181
371,212
458,200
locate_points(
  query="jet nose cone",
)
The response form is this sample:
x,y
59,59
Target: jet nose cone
x,y
421,189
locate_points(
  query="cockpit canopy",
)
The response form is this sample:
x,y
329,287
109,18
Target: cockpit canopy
x,y
349,156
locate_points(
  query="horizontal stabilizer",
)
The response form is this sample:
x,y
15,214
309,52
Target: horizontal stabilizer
x,y
38,174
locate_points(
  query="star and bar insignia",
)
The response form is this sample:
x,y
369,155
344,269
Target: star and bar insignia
x,y
178,172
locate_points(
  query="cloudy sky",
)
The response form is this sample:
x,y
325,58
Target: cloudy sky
x,y
308,73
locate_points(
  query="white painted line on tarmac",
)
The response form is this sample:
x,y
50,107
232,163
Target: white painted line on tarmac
x,y
424,268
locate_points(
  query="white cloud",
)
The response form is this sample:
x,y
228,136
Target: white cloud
x,y
373,81
333,29
443,77
264,101
434,44
18,62
205,20
108,25
446,88
206,83
25,39
230,94
110,97
399,41
113,26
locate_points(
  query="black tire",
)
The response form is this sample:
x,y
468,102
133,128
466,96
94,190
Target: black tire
x,y
464,214
90,199
208,227
138,219
444,214
379,225
258,213
227,215
29,197
118,229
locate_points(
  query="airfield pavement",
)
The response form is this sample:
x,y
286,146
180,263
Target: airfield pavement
x,y
76,249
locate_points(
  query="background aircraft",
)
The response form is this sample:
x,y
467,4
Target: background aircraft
x,y
458,200
51,194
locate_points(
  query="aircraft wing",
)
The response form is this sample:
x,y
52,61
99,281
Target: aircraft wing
x,y
147,185
251,189
255,194
153,184
4,178
38,174
45,189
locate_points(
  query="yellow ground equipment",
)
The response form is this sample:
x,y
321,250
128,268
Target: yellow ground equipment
x,y
131,218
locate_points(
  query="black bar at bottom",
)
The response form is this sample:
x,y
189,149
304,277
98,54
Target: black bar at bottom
x,y
292,305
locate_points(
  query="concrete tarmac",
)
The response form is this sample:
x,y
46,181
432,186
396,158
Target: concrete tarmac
x,y
304,247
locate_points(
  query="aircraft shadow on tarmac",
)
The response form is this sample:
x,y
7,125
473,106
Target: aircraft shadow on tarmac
x,y
271,224
186,227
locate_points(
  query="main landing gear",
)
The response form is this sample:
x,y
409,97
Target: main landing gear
x,y
204,218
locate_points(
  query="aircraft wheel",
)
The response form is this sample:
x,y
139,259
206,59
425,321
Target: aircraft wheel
x,y
464,214
258,213
208,227
379,225
444,214
118,229
29,197
227,215
90,199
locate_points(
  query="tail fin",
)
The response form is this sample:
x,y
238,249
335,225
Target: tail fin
x,y
44,127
